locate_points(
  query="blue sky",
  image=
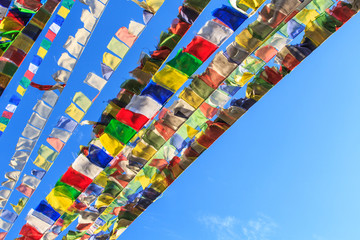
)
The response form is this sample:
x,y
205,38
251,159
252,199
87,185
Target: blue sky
x,y
288,169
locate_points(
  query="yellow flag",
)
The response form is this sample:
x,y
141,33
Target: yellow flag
x,y
191,132
58,202
101,179
112,109
244,78
2,127
189,96
254,4
316,34
150,67
170,78
144,150
112,145
246,40
306,15
111,60
103,201
74,112
41,162
23,42
20,90
144,180
42,52
20,205
63,12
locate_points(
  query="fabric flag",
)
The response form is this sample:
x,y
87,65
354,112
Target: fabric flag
x,y
82,36
278,41
61,76
111,144
170,78
66,61
38,173
39,221
5,225
144,105
150,5
30,132
88,19
84,166
13,175
55,143
86,219
60,134
46,209
20,205
135,28
74,113
30,232
3,235
124,35
266,53
3,202
24,144
18,165
98,156
42,163
95,81
73,47
76,179
106,71
21,156
147,16
96,7
30,181
82,101
50,97
306,15
111,61
11,108
43,109
215,33
118,47
47,153
66,124
25,189
4,6
8,216
9,184
37,121
62,196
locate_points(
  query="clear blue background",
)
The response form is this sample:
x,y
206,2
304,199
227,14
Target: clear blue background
x,y
287,170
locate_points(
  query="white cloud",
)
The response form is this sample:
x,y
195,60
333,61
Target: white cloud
x,y
259,229
231,228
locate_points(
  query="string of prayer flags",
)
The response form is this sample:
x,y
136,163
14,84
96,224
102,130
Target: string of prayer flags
x,y
46,42
25,40
83,104
163,80
46,155
136,206
217,99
